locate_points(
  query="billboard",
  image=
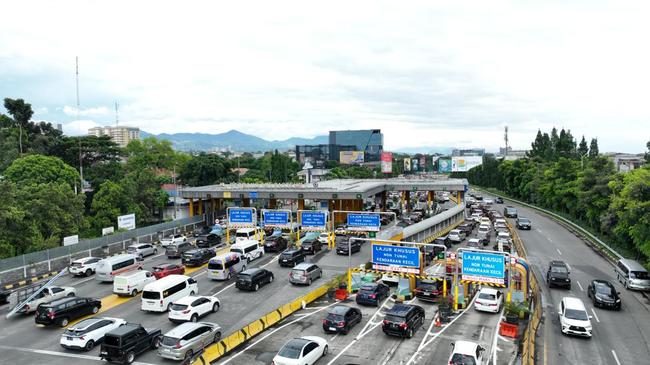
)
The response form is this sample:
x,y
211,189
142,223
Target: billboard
x,y
415,163
126,221
407,164
464,163
484,267
350,157
107,231
363,222
396,258
423,163
70,240
387,162
444,165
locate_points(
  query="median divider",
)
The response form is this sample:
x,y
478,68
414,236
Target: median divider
x,y
241,336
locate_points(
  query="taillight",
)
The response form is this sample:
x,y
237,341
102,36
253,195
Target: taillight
x,y
177,346
50,314
161,303
403,325
186,311
82,338
385,321
341,324
324,321
373,296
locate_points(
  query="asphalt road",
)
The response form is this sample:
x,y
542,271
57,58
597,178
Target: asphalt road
x,y
618,337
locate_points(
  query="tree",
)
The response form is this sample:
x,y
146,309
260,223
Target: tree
x,y
39,169
593,148
583,148
206,169
144,192
153,153
21,113
16,232
108,203
647,154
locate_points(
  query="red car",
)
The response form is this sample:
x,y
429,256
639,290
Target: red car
x,y
168,269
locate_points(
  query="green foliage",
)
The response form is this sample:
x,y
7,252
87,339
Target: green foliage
x,y
206,169
108,203
153,153
351,172
39,169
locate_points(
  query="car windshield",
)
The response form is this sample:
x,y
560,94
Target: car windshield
x,y
559,269
76,264
461,359
487,296
367,289
242,276
524,220
578,315
639,275
334,317
151,295
158,268
238,250
395,319
215,266
131,249
169,341
292,349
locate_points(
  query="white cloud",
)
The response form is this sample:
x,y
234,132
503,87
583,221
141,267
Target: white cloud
x,y
89,112
78,127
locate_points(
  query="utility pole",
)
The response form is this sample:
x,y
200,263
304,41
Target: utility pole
x,y
505,137
176,189
81,169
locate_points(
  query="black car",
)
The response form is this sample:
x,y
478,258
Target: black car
x,y
372,293
604,294
558,275
467,228
444,240
200,231
341,319
429,290
207,240
523,223
291,257
60,312
403,320
344,246
510,212
197,257
125,342
252,279
275,243
311,246
498,200
177,250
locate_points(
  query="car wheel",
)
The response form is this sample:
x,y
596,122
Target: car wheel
x,y
188,355
155,343
95,309
89,345
64,322
192,293
409,334
325,350
130,357
217,337
256,287
155,251
134,293
194,318
169,307
141,257
271,279
70,294
89,272
215,308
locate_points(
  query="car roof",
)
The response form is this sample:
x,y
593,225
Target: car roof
x,y
573,303
123,330
184,328
186,300
488,291
291,250
602,282
163,266
251,271
132,273
303,266
401,309
465,347
557,263
84,259
86,323
60,301
340,309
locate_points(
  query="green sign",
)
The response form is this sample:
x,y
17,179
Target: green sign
x,y
372,234
359,196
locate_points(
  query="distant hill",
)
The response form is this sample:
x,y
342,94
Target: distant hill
x,y
235,140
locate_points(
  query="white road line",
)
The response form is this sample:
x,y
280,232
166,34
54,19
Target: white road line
x,y
480,335
199,274
63,354
595,316
84,280
219,292
568,267
335,336
581,289
616,357
558,250
274,331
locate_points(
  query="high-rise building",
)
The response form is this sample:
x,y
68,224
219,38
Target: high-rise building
x,y
368,141
468,152
120,135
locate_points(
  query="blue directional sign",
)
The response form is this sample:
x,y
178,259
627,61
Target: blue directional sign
x,y
315,219
252,194
240,216
483,267
363,222
396,257
276,217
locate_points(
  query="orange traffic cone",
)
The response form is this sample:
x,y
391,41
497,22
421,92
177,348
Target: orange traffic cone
x,y
438,324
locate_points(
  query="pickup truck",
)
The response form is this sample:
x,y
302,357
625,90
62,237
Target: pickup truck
x,y
47,295
124,343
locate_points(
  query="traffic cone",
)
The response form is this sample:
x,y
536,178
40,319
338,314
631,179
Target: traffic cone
x,y
438,324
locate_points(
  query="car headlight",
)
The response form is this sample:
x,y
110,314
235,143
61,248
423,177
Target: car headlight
x,y
618,300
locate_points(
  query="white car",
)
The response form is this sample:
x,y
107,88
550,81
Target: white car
x,y
142,249
191,308
323,238
488,300
47,295
173,240
301,351
84,267
474,242
456,235
466,352
89,332
574,319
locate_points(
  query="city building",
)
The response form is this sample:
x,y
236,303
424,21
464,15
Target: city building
x,y
358,146
512,154
120,135
625,162
468,152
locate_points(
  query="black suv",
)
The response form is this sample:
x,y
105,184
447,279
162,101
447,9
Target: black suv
x,y
510,212
275,243
207,240
403,320
291,257
124,343
523,223
343,245
311,246
197,257
444,240
558,274
252,279
60,312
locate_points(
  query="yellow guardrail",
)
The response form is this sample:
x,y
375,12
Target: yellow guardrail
x,y
235,339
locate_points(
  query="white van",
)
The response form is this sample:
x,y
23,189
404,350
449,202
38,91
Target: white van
x,y
131,283
110,267
246,234
159,295
250,249
226,266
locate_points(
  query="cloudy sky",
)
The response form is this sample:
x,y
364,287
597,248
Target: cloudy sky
x,y
426,74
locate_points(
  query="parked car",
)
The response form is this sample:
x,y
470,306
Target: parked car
x,y
403,320
124,343
604,294
163,270
84,267
172,240
428,290
48,295
311,246
60,312
177,250
182,342
305,273
202,230
510,212
574,319
372,293
132,282
488,300
301,351
558,275
88,333
344,246
291,257
253,279
197,257
275,243
191,308
523,223
341,319
465,353
207,240
142,250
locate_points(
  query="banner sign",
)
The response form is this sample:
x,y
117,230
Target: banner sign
x,y
363,222
395,257
483,267
444,165
70,240
108,230
126,221
465,163
386,162
407,164
351,157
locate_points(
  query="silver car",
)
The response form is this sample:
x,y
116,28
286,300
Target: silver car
x,y
187,339
305,273
142,249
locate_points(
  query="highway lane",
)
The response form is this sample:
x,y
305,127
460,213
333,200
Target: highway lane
x,y
619,337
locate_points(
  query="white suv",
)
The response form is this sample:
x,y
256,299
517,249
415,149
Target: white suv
x,y
89,332
84,267
191,308
173,240
142,249
574,319
466,352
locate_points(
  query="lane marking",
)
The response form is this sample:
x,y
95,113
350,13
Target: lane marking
x,y
220,291
577,282
63,354
595,316
616,357
558,250
199,274
568,267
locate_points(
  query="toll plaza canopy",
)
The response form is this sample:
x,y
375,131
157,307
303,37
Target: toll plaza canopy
x,y
330,189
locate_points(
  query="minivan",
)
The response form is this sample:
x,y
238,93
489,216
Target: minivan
x,y
187,339
291,257
178,249
245,234
225,266
159,295
132,282
250,249
403,320
632,275
61,312
305,273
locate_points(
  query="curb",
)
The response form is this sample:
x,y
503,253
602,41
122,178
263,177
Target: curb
x,y
29,281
